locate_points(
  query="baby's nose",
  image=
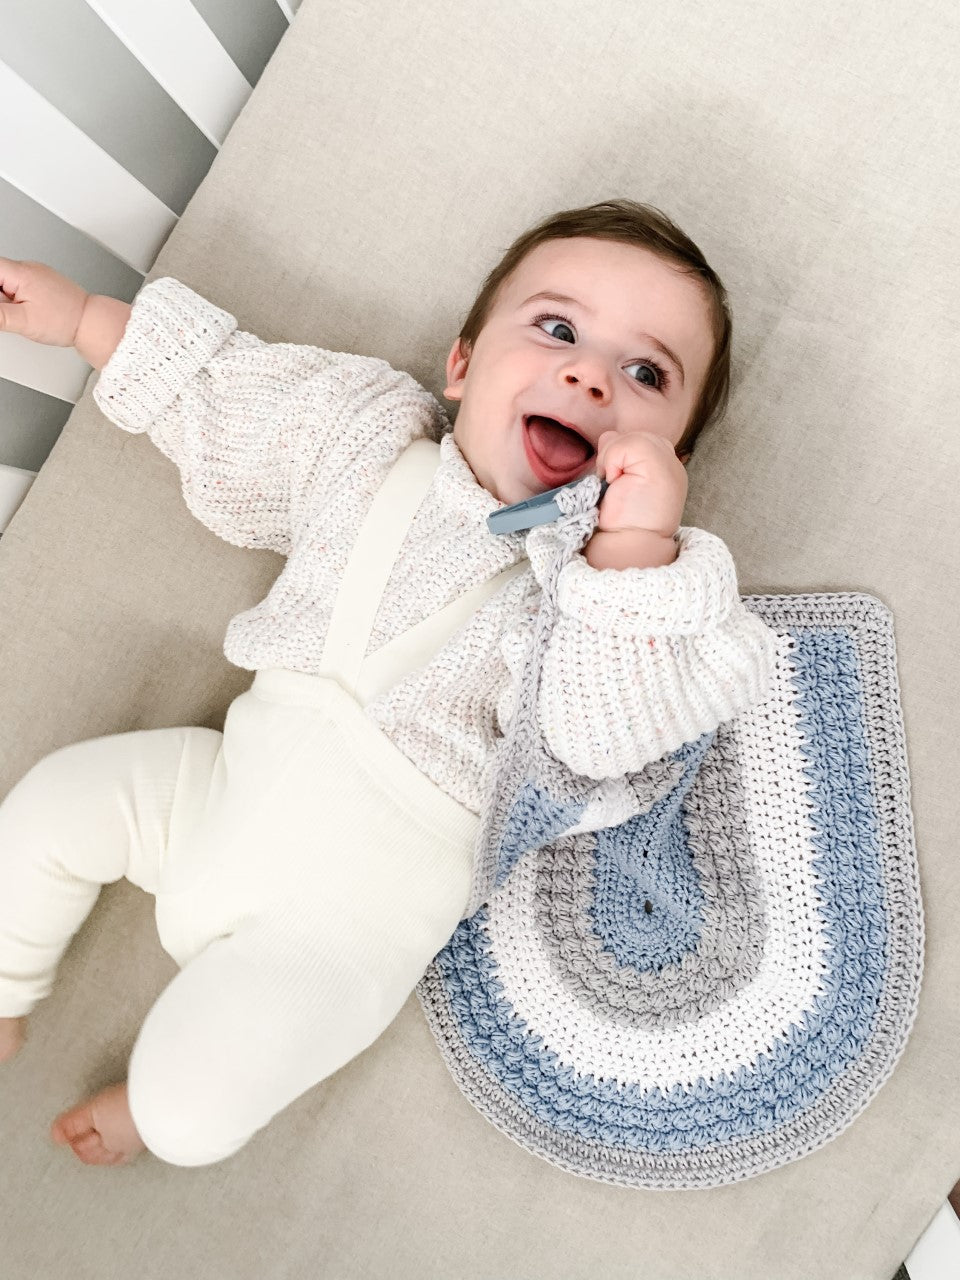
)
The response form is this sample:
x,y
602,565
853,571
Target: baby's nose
x,y
594,390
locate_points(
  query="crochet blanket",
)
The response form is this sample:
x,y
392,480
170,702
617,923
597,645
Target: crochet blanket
x,y
720,982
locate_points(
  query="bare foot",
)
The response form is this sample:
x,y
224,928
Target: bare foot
x,y
13,1032
101,1129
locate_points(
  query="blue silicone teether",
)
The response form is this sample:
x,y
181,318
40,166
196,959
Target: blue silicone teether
x,y
540,509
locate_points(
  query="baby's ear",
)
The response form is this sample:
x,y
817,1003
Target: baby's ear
x,y
456,371
684,457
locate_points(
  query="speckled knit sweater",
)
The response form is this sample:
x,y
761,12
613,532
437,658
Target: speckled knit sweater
x,y
264,435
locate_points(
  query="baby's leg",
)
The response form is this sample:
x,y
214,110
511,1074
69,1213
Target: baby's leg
x,y
256,1020
227,1045
83,816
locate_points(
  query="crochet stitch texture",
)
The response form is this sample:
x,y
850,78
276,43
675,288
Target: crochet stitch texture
x,y
694,942
282,447
718,984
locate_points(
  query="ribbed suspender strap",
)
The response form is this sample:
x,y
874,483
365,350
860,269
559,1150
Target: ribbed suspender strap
x,y
365,578
372,558
398,657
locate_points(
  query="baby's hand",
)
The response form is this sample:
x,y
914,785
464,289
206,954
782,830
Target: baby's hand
x,y
39,303
648,483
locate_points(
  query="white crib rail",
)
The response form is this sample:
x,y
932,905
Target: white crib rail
x,y
14,484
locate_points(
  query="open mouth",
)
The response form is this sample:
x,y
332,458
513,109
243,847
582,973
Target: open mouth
x,y
557,454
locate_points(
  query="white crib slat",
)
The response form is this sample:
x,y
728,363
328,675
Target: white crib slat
x,y
183,55
57,165
56,371
14,484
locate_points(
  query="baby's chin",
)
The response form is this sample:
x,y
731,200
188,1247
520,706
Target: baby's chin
x,y
507,489
512,490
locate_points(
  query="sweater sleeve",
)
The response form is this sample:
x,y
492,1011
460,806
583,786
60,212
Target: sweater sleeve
x,y
246,422
643,660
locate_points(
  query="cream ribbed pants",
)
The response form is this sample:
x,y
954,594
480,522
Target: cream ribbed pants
x,y
305,871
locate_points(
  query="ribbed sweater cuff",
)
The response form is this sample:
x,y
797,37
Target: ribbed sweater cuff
x,y
693,594
171,335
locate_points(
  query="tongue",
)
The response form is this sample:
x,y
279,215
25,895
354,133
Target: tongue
x,y
558,447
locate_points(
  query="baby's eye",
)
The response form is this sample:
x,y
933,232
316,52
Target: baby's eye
x,y
564,324
659,379
657,376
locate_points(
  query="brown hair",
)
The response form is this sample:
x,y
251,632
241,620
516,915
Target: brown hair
x,y
631,223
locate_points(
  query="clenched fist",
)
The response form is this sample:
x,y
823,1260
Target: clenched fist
x,y
648,483
39,303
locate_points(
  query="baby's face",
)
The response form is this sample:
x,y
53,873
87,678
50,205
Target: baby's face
x,y
597,363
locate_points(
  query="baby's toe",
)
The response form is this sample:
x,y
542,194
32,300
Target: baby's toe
x,y
90,1149
77,1129
73,1124
100,1129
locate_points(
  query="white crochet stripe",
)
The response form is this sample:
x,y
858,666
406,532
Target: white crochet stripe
x,y
793,960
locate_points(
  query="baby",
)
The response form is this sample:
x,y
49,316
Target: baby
x,y
310,861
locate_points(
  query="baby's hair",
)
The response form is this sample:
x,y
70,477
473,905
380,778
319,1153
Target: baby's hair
x,y
630,223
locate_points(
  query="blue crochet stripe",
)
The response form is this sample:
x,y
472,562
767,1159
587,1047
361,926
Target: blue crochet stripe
x,y
806,1062
534,821
647,859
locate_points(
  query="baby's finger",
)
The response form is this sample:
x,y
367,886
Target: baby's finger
x,y
606,465
13,317
627,451
11,275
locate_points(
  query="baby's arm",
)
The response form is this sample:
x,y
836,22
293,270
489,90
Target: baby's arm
x,y
643,660
262,433
101,328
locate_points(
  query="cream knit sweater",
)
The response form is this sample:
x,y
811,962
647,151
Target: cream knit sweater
x,y
282,446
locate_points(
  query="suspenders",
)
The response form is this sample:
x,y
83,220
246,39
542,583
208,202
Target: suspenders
x,y
368,568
